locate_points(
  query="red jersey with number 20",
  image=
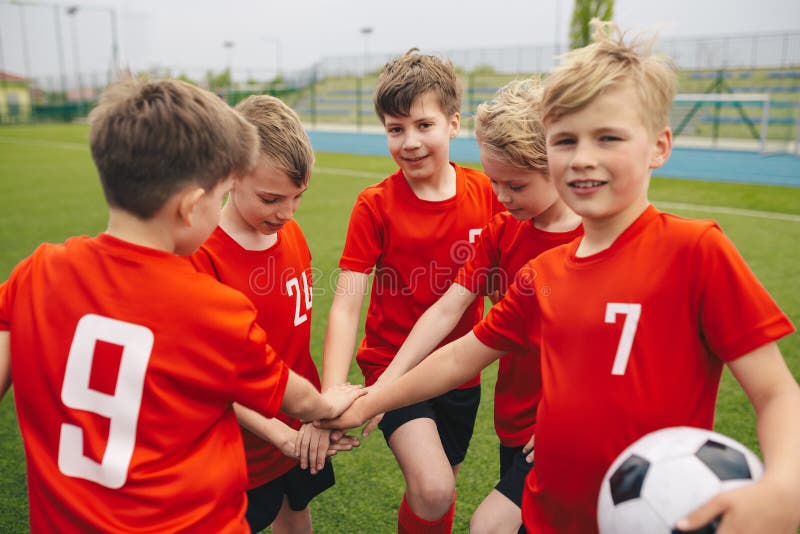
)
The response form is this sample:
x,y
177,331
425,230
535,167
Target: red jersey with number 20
x,y
416,248
633,339
504,246
125,362
278,282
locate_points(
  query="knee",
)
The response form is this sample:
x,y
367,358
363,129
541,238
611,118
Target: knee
x,y
435,495
481,523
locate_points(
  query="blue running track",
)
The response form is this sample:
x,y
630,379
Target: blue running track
x,y
698,163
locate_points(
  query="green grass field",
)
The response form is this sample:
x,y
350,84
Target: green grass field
x,y
49,191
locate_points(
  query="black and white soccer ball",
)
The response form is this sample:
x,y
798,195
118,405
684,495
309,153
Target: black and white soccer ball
x,y
666,474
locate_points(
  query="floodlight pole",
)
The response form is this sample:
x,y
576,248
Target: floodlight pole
x,y
72,11
228,45
366,32
277,42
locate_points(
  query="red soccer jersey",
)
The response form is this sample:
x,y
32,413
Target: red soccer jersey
x,y
633,339
416,247
504,246
278,282
125,363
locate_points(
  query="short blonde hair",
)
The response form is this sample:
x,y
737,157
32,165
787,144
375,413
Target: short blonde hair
x,y
411,75
510,125
282,138
588,72
149,139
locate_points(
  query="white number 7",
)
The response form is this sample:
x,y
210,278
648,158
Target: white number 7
x,y
632,313
121,408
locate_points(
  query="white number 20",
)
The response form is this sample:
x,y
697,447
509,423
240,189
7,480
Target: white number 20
x,y
121,408
631,313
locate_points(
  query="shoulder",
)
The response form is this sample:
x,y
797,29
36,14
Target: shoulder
x,y
473,175
684,231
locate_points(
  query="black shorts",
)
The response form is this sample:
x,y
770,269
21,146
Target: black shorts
x,y
513,470
454,414
298,485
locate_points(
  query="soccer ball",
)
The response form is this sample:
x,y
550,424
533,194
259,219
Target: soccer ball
x,y
666,474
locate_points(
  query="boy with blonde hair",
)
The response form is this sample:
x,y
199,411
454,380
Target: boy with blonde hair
x,y
260,250
635,320
125,360
511,139
415,229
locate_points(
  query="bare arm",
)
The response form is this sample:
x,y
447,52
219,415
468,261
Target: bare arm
x,y
5,362
343,321
445,369
302,400
269,429
430,329
770,505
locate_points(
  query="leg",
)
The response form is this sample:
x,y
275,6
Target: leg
x,y
263,504
292,522
300,488
430,483
496,515
500,512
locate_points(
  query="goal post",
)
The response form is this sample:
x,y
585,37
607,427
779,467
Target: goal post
x,y
687,107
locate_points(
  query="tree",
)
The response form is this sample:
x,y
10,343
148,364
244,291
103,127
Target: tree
x,y
580,32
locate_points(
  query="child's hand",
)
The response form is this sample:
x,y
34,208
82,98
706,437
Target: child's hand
x,y
311,447
528,449
372,424
341,442
351,418
759,508
341,396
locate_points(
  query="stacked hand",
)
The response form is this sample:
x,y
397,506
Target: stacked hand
x,y
313,445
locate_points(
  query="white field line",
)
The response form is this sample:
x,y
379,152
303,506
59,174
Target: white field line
x,y
729,211
662,204
41,142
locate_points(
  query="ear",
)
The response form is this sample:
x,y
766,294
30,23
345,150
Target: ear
x,y
663,148
187,204
455,124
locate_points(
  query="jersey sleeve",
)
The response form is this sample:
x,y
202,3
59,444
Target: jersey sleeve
x,y
512,325
364,242
736,312
262,375
203,262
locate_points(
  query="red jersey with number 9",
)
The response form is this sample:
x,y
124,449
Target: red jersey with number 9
x,y
633,339
125,363
278,282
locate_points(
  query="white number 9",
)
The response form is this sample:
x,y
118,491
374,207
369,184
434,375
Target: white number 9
x,y
121,408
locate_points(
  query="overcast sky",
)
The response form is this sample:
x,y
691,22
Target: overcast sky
x,y
190,35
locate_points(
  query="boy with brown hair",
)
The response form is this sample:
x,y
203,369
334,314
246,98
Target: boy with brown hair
x,y
125,360
512,147
635,320
416,228
260,250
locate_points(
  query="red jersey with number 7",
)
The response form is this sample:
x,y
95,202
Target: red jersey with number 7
x,y
278,282
125,363
633,339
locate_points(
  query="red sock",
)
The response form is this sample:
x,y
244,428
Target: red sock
x,y
410,523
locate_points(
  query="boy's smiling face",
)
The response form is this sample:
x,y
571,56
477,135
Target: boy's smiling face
x,y
600,156
420,143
